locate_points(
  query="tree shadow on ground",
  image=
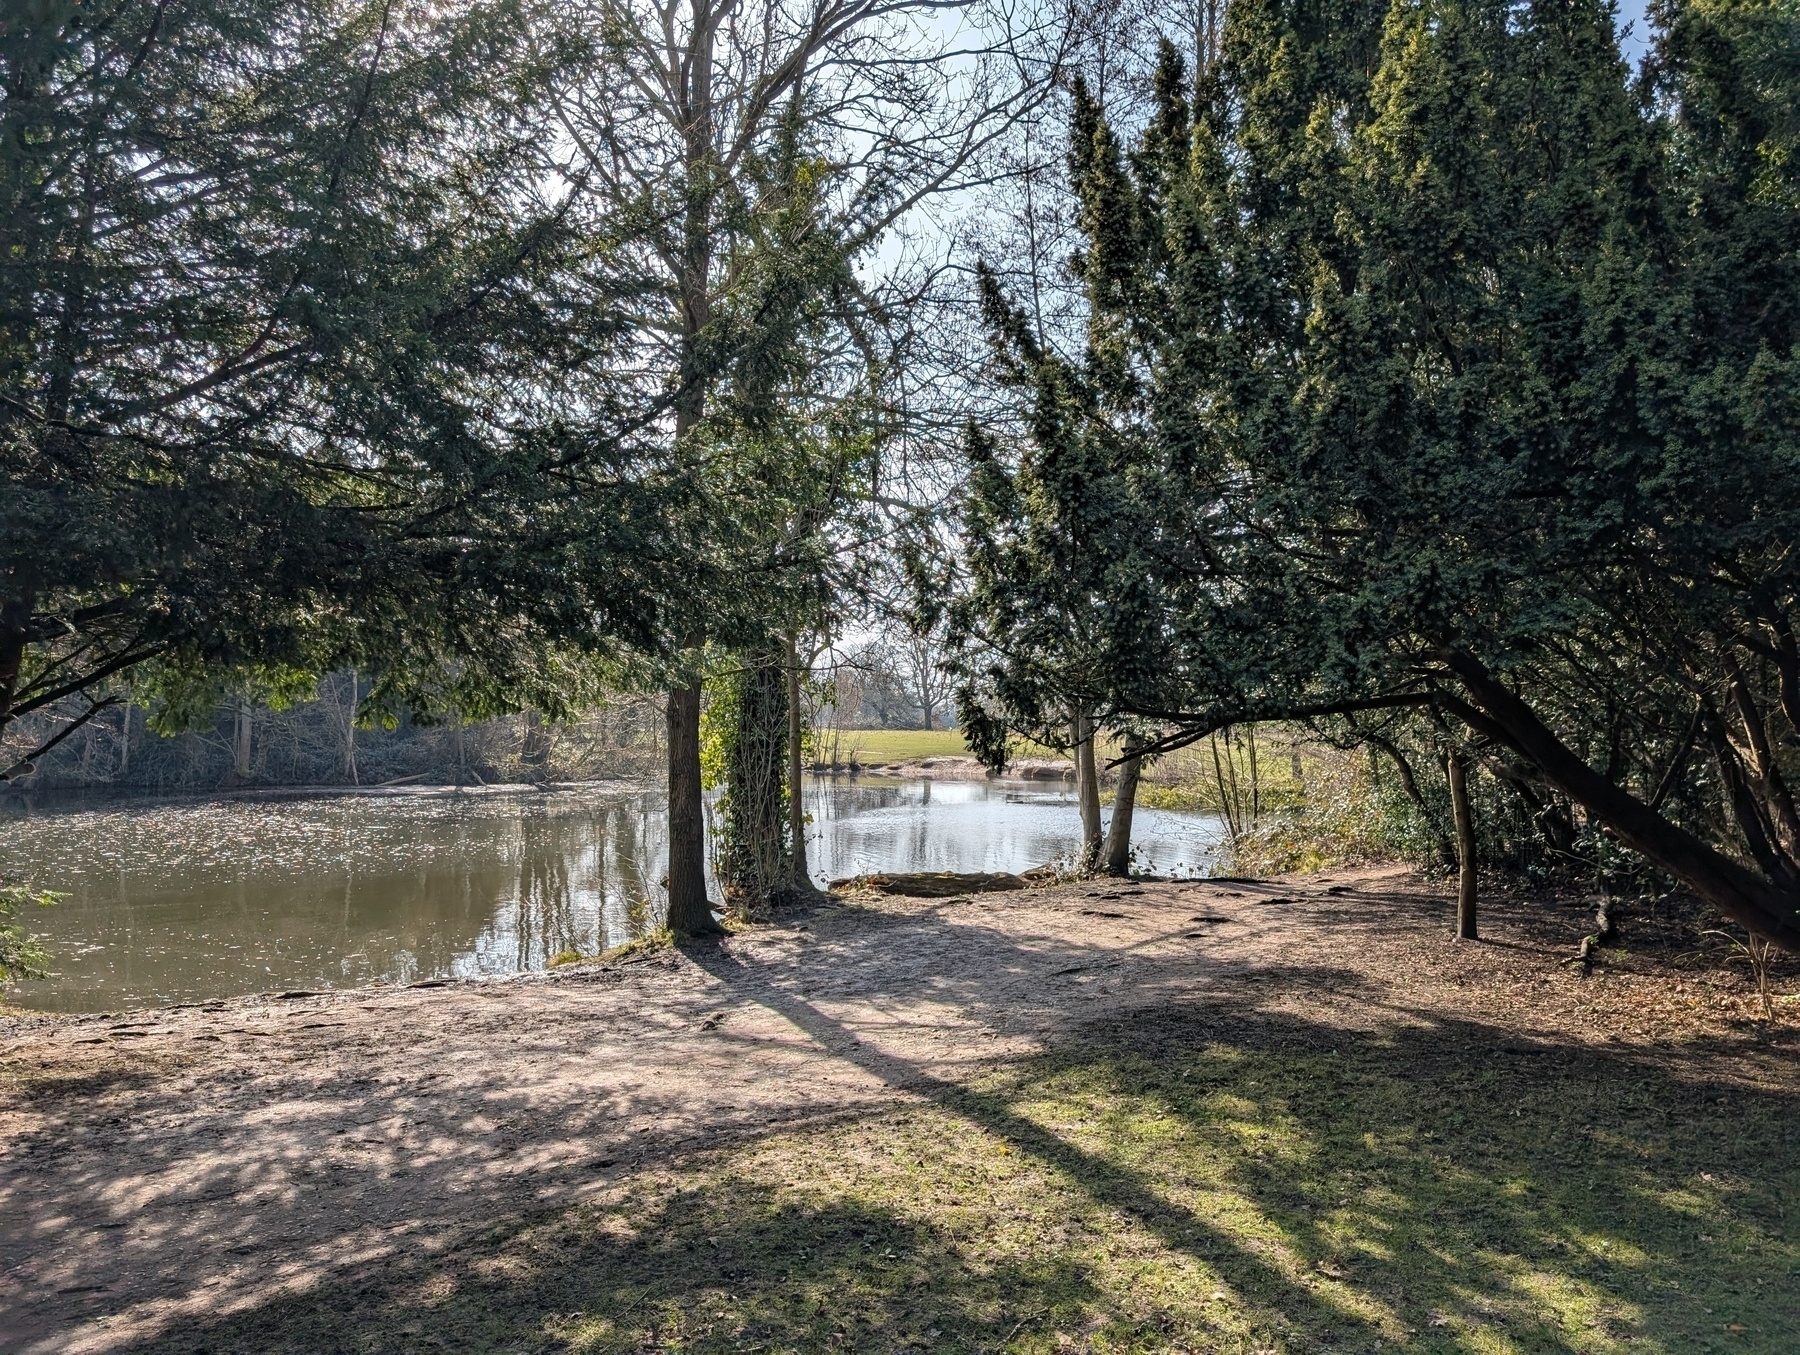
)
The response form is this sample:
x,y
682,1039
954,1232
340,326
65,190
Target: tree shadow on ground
x,y
1212,1176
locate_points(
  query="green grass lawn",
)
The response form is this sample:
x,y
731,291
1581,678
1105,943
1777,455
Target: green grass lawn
x,y
1199,1179
907,745
900,745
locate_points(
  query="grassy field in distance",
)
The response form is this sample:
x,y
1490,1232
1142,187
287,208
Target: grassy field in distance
x,y
909,745
900,745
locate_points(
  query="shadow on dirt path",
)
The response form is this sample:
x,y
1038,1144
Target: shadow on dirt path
x,y
960,1125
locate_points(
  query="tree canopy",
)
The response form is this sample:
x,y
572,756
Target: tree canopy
x,y
1433,363
302,364
1434,371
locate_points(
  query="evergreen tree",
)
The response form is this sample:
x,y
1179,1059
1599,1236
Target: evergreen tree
x,y
1056,592
300,366
1466,375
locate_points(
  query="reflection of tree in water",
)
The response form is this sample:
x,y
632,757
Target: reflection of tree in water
x,y
186,903
627,837
570,864
546,921
640,844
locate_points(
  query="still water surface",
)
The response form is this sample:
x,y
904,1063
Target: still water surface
x,y
190,901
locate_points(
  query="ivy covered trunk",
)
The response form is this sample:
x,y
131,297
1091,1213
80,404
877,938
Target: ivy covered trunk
x,y
754,854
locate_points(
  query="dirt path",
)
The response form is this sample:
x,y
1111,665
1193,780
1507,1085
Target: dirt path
x,y
170,1167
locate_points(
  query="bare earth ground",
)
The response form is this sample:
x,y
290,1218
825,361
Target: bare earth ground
x,y
1285,1116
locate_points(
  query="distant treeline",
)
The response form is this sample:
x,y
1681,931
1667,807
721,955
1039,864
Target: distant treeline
x,y
319,743
891,682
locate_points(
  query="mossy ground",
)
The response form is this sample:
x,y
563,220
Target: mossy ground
x,y
1224,1178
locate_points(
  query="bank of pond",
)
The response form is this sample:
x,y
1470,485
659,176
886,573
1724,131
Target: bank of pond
x,y
170,901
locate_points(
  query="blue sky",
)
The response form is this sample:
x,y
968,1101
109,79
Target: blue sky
x,y
1631,14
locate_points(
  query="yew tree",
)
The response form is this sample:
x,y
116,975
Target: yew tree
x,y
304,363
1460,366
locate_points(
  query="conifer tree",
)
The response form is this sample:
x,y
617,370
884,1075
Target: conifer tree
x,y
301,365
1466,386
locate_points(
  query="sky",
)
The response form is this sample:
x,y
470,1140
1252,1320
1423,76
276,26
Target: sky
x,y
1633,29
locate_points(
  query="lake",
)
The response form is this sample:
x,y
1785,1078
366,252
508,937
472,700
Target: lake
x,y
192,900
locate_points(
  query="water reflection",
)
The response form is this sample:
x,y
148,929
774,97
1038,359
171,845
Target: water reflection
x,y
186,902
861,825
189,901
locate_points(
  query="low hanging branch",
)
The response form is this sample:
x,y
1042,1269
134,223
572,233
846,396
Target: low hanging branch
x,y
1737,891
26,765
1193,727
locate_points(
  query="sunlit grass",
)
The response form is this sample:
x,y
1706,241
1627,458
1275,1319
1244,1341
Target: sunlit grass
x,y
899,745
1270,1186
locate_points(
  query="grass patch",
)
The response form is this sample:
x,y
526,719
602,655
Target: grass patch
x,y
899,745
909,745
1195,1180
647,944
1190,798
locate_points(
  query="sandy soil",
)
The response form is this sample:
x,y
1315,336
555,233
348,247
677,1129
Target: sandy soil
x,y
168,1166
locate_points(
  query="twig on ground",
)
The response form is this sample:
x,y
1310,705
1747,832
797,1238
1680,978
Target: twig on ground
x,y
1029,1317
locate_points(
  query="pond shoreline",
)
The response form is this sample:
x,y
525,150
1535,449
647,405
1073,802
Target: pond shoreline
x,y
957,769
97,797
189,899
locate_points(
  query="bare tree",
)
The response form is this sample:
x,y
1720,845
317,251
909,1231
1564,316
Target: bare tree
x,y
923,656
672,112
1087,787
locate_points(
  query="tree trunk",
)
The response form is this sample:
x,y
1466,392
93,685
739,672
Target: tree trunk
x,y
241,742
1087,790
1457,773
751,852
350,734
796,776
689,911
15,617
1118,833
1732,888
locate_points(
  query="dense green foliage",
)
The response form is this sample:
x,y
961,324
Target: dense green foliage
x,y
21,955
1438,388
1435,366
301,364
315,355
